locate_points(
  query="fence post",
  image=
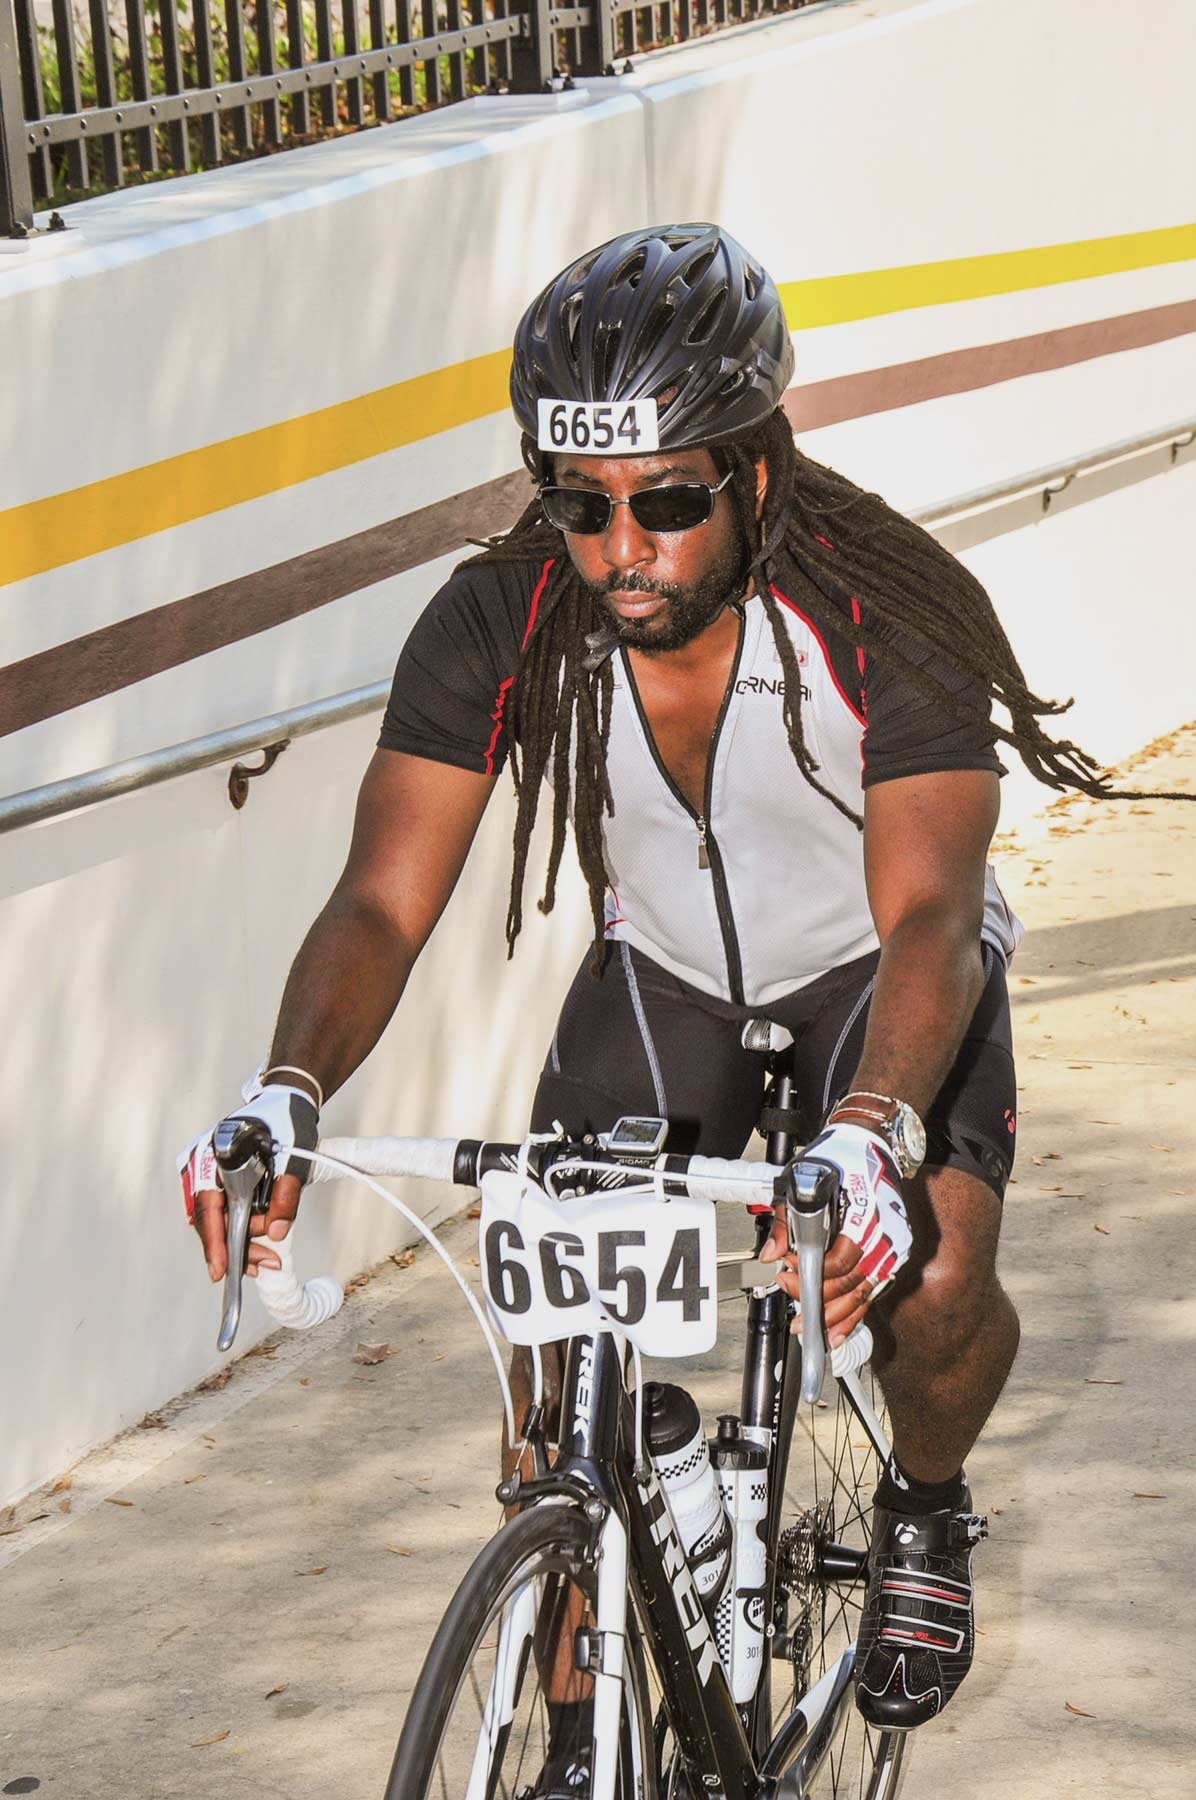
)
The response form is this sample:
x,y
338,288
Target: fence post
x,y
532,56
16,188
599,39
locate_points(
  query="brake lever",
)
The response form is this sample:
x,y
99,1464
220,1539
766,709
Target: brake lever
x,y
244,1153
810,1190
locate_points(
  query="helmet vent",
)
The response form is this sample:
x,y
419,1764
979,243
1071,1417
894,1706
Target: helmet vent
x,y
705,322
629,273
698,267
752,280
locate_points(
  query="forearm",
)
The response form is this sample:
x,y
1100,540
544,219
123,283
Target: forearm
x,y
928,984
341,992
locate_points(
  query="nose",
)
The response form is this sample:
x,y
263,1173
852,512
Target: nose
x,y
625,543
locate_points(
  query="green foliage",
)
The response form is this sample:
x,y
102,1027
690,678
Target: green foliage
x,y
408,92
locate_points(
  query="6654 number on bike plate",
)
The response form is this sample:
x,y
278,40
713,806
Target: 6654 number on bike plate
x,y
555,1268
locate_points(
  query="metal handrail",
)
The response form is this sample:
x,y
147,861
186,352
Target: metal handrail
x,y
967,519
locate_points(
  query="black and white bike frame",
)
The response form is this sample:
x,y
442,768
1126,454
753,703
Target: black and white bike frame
x,y
731,1751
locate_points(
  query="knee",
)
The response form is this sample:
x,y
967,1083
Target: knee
x,y
956,1299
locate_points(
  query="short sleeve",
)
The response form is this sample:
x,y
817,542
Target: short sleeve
x,y
910,732
449,695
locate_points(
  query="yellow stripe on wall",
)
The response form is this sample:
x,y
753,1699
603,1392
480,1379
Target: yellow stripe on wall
x,y
45,534
838,299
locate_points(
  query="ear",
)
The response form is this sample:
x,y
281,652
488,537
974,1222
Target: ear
x,y
761,486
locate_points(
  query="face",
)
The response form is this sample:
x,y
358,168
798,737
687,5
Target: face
x,y
661,590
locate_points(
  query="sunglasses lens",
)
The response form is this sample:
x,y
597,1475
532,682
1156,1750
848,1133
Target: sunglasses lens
x,y
575,510
676,508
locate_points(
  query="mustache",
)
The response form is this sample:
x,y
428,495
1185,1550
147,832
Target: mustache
x,y
632,583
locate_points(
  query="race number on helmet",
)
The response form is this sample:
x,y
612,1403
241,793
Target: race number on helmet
x,y
678,318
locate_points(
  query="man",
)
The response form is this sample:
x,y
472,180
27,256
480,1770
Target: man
x,y
764,700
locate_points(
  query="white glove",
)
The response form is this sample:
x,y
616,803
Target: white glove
x,y
875,1217
288,1113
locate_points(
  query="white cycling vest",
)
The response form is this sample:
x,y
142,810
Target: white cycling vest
x,y
782,899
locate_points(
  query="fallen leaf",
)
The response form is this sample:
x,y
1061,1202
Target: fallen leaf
x,y
1104,1121
220,1379
305,1381
62,1484
1153,1147
1104,1381
472,1261
475,1212
374,1353
403,1259
441,1356
10,1530
1077,1710
1148,1496
190,1479
111,1500
154,1422
400,1549
217,1737
280,1689
64,1505
321,1570
1079,1065
1046,1157
1103,1229
1027,981
263,1350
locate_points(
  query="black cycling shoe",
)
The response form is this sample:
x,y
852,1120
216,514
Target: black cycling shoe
x,y
916,1636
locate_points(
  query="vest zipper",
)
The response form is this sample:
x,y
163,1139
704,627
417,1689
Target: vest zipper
x,y
709,855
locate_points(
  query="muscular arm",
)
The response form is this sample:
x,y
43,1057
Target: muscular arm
x,y
415,822
925,843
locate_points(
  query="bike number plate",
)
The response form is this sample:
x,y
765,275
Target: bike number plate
x,y
556,1268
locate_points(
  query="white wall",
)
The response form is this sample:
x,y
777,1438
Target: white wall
x,y
146,940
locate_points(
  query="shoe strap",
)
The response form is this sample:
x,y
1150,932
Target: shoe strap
x,y
928,1534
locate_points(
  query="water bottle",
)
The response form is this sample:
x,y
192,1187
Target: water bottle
x,y
681,1459
741,1469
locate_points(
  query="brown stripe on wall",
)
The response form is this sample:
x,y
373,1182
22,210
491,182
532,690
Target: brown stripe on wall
x,y
845,397
116,656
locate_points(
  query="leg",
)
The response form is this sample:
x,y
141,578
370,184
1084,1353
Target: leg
x,y
954,1330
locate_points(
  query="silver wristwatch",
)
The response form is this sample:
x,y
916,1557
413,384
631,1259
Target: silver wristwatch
x,y
898,1123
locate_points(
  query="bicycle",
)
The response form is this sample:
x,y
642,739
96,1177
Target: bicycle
x,y
588,1572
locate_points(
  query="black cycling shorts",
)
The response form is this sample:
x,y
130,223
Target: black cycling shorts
x,y
637,1040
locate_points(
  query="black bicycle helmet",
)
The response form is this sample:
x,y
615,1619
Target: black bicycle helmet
x,y
679,314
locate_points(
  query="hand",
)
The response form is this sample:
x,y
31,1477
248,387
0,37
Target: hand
x,y
876,1238
292,1119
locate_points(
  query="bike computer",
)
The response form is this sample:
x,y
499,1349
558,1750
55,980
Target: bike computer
x,y
635,1139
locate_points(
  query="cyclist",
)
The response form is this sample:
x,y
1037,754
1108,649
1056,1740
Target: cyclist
x,y
764,700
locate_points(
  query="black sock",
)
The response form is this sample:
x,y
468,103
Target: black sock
x,y
570,1725
898,1491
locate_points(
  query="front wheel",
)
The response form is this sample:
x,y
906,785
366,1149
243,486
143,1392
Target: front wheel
x,y
479,1726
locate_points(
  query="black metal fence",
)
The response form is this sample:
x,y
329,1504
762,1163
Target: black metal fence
x,y
94,93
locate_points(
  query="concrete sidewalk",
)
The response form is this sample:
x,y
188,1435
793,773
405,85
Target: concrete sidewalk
x,y
240,1595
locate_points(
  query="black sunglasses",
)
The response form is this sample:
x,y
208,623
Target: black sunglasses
x,y
679,506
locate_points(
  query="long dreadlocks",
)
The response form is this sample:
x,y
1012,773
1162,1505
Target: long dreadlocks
x,y
820,535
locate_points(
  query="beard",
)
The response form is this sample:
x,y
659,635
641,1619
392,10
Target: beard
x,y
691,606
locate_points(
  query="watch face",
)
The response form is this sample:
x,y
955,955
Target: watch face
x,y
910,1135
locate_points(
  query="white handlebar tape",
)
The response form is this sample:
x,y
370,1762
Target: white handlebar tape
x,y
730,1178
430,1159
299,1305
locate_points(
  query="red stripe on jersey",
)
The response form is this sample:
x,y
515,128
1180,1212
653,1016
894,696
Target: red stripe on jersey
x,y
848,702
500,699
